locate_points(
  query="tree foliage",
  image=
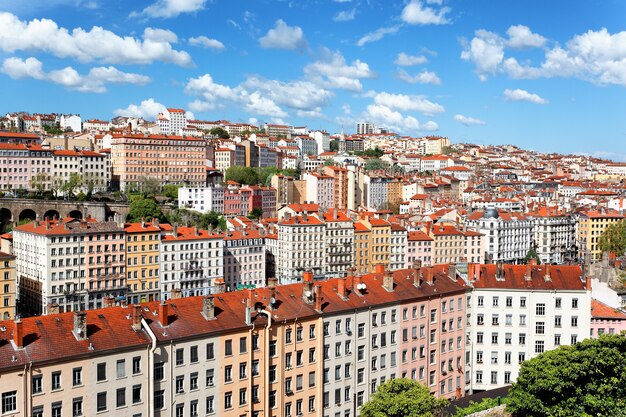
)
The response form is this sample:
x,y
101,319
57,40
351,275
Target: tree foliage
x,y
194,218
373,153
170,191
613,239
585,379
242,175
475,407
220,133
532,254
375,164
146,208
52,130
403,398
255,214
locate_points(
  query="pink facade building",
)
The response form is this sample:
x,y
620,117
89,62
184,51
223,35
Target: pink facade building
x,y
419,248
606,319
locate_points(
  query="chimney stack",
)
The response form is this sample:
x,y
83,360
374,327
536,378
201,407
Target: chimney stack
x,y
176,293
528,276
272,282
452,271
318,298
219,286
341,287
430,278
164,316
547,277
80,325
208,307
357,281
380,269
109,301
155,222
53,308
307,292
18,333
388,281
307,276
136,317
499,271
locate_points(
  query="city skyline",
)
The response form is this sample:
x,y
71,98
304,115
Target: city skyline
x,y
481,74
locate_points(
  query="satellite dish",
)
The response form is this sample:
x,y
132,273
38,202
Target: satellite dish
x,y
272,300
79,330
307,293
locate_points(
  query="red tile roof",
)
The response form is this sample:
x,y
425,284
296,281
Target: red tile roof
x,y
601,310
562,277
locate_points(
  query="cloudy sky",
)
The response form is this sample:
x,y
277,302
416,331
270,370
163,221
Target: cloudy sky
x,y
545,75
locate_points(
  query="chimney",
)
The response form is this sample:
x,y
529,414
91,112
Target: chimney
x,y
53,308
80,325
136,317
109,301
528,276
430,278
272,282
341,287
271,302
219,286
532,261
318,298
307,276
452,271
208,307
380,269
143,223
547,276
357,284
164,316
18,333
388,281
499,271
307,292
155,222
176,293
417,264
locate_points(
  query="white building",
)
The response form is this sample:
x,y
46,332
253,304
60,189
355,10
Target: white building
x,y
190,260
300,247
202,199
397,247
71,121
365,128
518,312
307,145
322,138
338,243
554,235
92,168
508,236
178,120
320,189
244,258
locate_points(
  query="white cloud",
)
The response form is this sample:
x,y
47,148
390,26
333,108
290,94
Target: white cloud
x,y
210,92
523,95
97,44
189,115
520,36
486,52
415,13
469,121
283,36
332,71
159,35
385,116
424,77
94,82
430,126
405,60
404,102
148,109
301,95
257,104
345,15
171,8
205,42
377,35
595,56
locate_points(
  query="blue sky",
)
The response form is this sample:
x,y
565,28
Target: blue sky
x,y
543,75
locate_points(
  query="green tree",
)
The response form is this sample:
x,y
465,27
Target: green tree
x,y
584,379
265,174
212,219
150,186
39,181
375,164
532,254
329,162
475,407
447,150
242,175
334,145
146,208
613,239
220,133
255,214
403,398
170,191
52,130
69,187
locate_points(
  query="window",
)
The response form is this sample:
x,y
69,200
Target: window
x,y
158,399
120,397
228,373
522,320
180,356
540,327
299,334
507,377
507,338
522,338
540,309
509,301
494,357
495,301
557,340
193,381
494,338
479,357
101,372
242,396
479,338
480,300
480,319
37,384
101,402
210,404
338,326
77,407
312,352
228,400
557,321
272,348
210,374
228,347
521,357
210,353
494,377
574,321
56,380
479,377
311,404
574,339
9,402
574,302
77,376
193,354
288,336
361,330
57,409
180,384
539,346
121,368
507,358
242,370
495,318
136,365
557,302
312,331
158,371
136,394
243,345
522,302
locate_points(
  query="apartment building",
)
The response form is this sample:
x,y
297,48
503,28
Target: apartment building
x,y
25,167
170,159
397,247
90,166
451,244
320,189
340,186
202,199
591,225
555,235
69,264
419,248
7,286
338,243
190,260
142,260
300,247
518,312
244,258
508,235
